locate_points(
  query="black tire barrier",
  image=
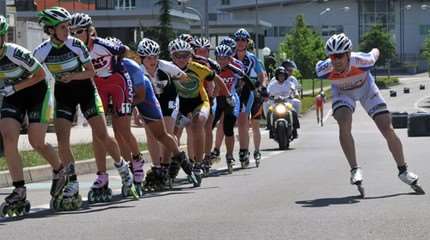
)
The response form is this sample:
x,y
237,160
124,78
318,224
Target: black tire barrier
x,y
422,86
393,93
399,119
406,90
419,125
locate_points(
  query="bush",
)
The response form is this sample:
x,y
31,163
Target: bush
x,y
385,82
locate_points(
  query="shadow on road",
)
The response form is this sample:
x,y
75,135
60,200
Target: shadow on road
x,y
325,202
275,149
391,195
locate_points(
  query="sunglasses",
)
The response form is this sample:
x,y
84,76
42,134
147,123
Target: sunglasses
x,y
80,31
241,39
337,56
181,55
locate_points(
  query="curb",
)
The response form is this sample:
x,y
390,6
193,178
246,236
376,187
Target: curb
x,y
44,172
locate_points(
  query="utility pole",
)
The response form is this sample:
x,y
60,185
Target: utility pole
x,y
206,19
3,8
256,28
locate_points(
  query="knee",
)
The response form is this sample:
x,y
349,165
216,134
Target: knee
x,y
38,144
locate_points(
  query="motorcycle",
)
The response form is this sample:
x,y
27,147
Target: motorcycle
x,y
281,119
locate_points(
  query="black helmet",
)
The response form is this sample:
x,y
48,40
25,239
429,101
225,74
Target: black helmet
x,y
289,64
280,70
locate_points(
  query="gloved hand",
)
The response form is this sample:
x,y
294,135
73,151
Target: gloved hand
x,y
231,101
7,90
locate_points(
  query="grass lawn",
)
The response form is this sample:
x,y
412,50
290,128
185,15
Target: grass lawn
x,y
80,151
307,84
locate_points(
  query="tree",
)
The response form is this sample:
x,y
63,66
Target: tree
x,y
379,38
426,48
304,46
165,32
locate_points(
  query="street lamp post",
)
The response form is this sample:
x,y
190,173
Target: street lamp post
x,y
256,27
203,22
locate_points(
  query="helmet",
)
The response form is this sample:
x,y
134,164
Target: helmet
x,y
241,34
114,40
289,64
54,16
186,37
229,42
179,45
201,42
148,47
80,20
322,94
280,70
338,43
223,51
4,26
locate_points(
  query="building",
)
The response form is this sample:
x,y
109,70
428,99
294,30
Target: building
x,y
124,19
407,20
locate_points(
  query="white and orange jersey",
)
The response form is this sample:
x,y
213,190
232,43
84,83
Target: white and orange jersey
x,y
355,77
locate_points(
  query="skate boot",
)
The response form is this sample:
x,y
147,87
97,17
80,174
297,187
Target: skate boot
x,y
206,166
230,163
257,158
215,156
357,179
59,180
138,173
100,191
181,160
69,198
127,188
155,179
412,180
244,158
16,204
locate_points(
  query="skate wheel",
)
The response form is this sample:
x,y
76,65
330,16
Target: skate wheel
x,y
361,190
55,204
3,210
230,168
133,192
171,180
257,163
418,189
27,207
77,203
91,196
124,191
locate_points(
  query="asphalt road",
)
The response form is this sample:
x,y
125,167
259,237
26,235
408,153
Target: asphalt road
x,y
302,193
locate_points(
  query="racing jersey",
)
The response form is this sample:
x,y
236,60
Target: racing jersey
x,y
280,89
358,73
70,56
231,76
102,54
16,64
251,64
162,81
193,87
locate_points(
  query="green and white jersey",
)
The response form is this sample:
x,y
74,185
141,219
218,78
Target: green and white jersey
x,y
70,56
16,64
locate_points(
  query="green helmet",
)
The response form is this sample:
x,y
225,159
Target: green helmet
x,y
54,16
4,26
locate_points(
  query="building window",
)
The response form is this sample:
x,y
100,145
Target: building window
x,y
225,2
425,30
125,4
329,30
104,4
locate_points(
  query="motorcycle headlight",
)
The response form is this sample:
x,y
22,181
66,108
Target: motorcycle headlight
x,y
281,109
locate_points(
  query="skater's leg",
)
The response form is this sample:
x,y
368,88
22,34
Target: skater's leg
x,y
10,130
383,121
343,117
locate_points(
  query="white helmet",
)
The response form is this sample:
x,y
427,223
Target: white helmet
x,y
201,42
80,20
338,43
148,47
223,51
179,45
114,40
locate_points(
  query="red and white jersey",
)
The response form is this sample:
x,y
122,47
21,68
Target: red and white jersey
x,y
359,70
102,54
